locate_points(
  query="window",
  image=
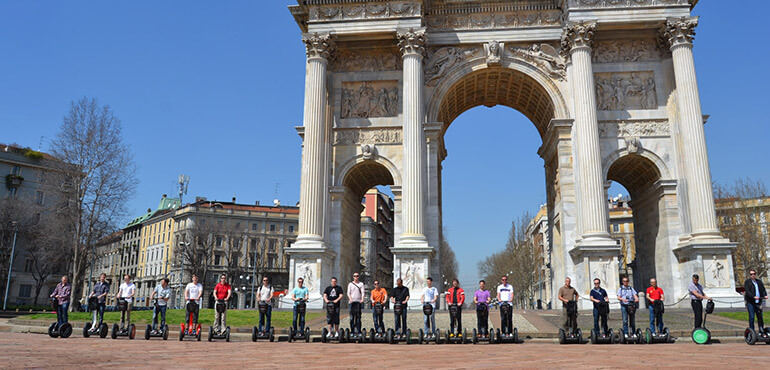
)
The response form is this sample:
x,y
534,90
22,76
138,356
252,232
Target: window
x,y
236,243
13,192
254,226
272,227
291,229
16,170
271,245
28,264
616,228
217,259
39,197
25,291
218,241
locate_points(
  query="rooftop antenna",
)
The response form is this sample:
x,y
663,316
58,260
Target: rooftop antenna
x,y
40,144
276,202
184,181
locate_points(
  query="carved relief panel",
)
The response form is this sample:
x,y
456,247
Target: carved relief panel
x,y
367,136
367,60
369,99
634,50
625,90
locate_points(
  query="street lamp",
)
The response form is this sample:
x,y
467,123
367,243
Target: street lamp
x,y
15,226
184,244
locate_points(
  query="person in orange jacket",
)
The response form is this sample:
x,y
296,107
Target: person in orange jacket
x,y
456,296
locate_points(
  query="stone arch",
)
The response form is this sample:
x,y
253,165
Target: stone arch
x,y
354,163
621,158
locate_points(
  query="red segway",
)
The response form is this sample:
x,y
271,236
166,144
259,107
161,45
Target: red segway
x,y
192,329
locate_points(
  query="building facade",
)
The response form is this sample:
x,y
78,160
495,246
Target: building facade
x,y
377,239
537,232
745,221
155,249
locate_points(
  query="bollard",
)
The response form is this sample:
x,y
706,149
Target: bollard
x,y
642,300
441,302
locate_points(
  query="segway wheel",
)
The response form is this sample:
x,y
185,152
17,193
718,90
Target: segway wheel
x,y
65,330
272,334
165,332
562,336
622,336
648,336
307,335
324,333
475,337
667,334
611,336
103,329
465,340
516,335
86,327
291,335
420,336
492,338
347,335
363,336
579,336
198,333
115,329
51,331
181,333
389,336
499,336
593,336
254,334
371,336
639,337
227,334
701,336
147,331
750,336
131,331
211,333
437,336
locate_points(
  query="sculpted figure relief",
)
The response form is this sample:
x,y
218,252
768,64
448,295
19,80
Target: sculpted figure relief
x,y
716,274
412,274
629,129
369,99
625,90
443,60
639,50
493,49
544,56
367,61
368,137
305,271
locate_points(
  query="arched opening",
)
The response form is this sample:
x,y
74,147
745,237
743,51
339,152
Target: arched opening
x,y
635,218
367,223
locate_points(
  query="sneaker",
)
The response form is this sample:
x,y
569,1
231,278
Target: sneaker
x,y
329,335
451,335
459,335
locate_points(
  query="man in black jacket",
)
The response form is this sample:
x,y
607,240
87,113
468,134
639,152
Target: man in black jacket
x,y
754,294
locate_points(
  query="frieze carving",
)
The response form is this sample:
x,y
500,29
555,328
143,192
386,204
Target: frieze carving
x,y
369,99
544,56
634,129
367,136
367,60
520,19
625,90
443,59
624,3
635,50
393,9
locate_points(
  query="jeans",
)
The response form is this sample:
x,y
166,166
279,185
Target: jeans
x,y
162,312
268,314
301,317
506,322
653,318
697,309
100,313
627,318
430,322
400,321
457,321
220,320
62,314
482,321
379,325
754,310
355,317
598,316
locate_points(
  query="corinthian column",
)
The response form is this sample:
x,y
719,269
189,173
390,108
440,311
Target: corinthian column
x,y
679,33
577,41
412,45
312,187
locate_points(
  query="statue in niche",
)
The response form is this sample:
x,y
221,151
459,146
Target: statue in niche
x,y
601,270
412,275
633,145
367,151
305,271
649,100
716,274
493,53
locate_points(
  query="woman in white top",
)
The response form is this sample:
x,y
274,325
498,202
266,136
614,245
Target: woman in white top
x,y
193,292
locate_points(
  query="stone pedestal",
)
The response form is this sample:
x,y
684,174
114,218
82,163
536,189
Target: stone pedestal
x,y
315,266
412,265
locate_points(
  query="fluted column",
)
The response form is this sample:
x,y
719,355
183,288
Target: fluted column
x,y
412,45
312,186
679,33
577,41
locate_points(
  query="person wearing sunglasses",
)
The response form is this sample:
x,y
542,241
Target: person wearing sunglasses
x,y
379,296
754,294
356,299
265,294
505,296
600,299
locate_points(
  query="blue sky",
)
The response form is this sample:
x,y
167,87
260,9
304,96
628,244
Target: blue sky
x,y
214,90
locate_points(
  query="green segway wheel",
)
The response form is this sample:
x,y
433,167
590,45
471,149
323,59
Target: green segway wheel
x,y
701,336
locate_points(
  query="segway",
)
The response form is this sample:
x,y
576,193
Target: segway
x,y
193,329
94,327
359,337
220,307
503,337
571,336
427,337
126,329
662,337
339,336
632,336
406,335
701,335
374,336
482,312
459,337
763,335
295,336
609,336
55,330
162,331
256,333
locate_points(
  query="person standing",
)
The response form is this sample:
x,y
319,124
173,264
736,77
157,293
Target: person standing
x,y
62,294
193,292
754,293
482,298
126,291
456,296
265,294
599,297
655,297
568,294
379,295
101,289
163,293
400,297
299,294
333,294
696,299
627,297
222,292
430,296
356,291
505,296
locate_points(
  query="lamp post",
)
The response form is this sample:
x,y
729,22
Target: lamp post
x,y
15,226
253,275
184,244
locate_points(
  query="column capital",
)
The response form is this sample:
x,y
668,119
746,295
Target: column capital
x,y
678,31
576,36
319,45
411,41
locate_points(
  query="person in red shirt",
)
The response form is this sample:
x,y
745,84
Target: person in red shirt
x,y
655,294
222,292
456,296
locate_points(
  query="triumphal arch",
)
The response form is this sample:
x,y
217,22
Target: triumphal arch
x,y
610,86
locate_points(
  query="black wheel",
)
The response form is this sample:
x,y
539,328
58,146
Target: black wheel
x,y
750,336
86,327
227,334
103,329
408,336
465,340
51,331
420,336
115,329
291,334
65,330
579,336
347,335
562,336
475,337
254,334
593,336
211,332
622,336
447,338
165,332
389,336
307,335
437,336
516,335
667,333
371,335
363,336
272,334
639,338
181,333
147,331
131,331
324,333
499,336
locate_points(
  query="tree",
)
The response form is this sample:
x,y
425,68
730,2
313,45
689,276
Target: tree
x,y
739,208
19,218
197,249
45,252
98,169
449,266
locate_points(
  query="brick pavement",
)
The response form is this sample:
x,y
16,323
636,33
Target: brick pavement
x,y
40,351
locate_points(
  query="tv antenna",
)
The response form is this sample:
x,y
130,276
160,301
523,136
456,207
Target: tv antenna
x,y
184,181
